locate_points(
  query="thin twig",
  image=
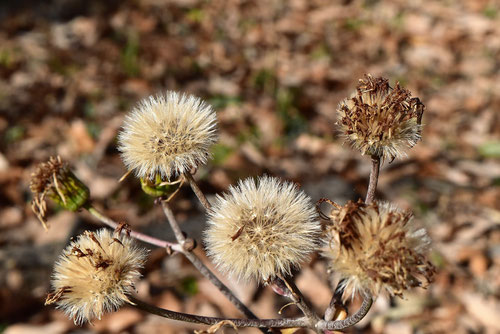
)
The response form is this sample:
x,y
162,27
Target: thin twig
x,y
195,260
134,234
301,301
336,304
303,322
173,222
372,185
348,322
264,323
197,190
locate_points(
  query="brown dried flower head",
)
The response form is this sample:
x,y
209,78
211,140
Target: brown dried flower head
x,y
94,275
55,180
261,229
374,247
379,120
167,135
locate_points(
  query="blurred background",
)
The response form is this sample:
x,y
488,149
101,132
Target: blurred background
x,y
275,71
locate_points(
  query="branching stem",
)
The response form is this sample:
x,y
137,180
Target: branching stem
x,y
349,321
195,260
300,300
303,322
134,234
198,319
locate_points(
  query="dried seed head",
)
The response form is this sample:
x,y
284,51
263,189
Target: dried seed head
x,y
167,135
374,247
261,229
380,120
95,274
55,180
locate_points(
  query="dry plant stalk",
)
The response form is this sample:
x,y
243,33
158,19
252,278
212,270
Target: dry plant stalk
x,y
261,229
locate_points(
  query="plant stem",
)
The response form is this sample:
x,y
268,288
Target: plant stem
x,y
372,185
134,234
173,222
336,302
264,323
301,301
195,260
197,190
348,322
303,322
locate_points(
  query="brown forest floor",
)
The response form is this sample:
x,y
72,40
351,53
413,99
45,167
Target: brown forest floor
x,y
275,71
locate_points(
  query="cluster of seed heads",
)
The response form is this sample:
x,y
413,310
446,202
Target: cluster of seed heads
x,y
260,229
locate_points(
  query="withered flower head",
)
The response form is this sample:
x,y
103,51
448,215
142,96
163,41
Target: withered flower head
x,y
375,246
379,120
94,275
261,229
167,135
55,180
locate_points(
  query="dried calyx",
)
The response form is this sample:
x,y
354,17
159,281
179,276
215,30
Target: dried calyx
x,y
380,120
376,247
55,180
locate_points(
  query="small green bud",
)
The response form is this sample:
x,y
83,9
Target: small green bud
x,y
55,180
158,187
71,193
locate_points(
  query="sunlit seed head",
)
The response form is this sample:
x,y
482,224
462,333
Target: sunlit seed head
x,y
376,247
261,229
167,135
380,120
94,275
55,180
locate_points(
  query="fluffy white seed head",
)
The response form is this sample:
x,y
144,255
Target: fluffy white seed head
x,y
94,275
167,135
261,229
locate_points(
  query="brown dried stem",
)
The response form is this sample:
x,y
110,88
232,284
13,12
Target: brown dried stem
x,y
349,321
197,319
336,305
303,322
300,300
195,260
197,190
372,185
